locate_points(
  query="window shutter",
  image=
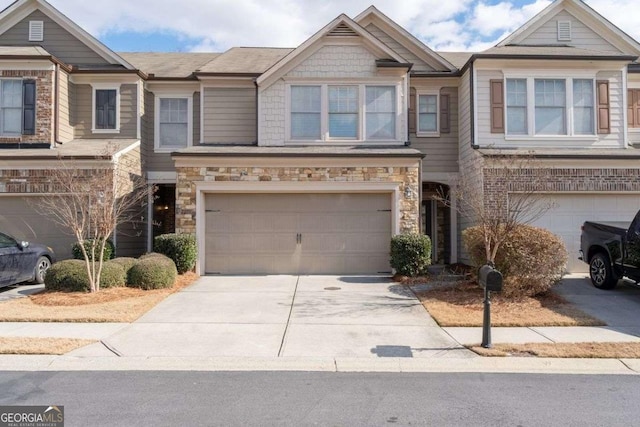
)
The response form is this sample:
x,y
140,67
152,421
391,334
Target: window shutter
x,y
604,126
111,109
497,106
29,107
445,116
631,108
412,111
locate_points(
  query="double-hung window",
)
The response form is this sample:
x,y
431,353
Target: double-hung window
x,y
550,106
174,124
427,114
106,108
17,107
381,112
342,112
11,105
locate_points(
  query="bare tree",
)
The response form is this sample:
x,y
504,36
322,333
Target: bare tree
x,y
499,209
92,203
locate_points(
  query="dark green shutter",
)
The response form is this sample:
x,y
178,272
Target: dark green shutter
x,y
29,107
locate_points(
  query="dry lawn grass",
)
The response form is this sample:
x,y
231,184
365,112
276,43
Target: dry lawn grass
x,y
24,345
461,305
108,305
599,350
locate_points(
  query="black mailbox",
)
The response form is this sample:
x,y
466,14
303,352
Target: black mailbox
x,y
490,278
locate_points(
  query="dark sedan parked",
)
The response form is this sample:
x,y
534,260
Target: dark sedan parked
x,y
23,261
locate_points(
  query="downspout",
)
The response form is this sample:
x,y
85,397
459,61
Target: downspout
x,y
473,103
255,82
56,107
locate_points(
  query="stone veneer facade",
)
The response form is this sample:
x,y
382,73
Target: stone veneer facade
x,y
44,106
188,176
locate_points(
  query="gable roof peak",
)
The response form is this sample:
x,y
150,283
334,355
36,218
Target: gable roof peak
x,y
20,9
617,37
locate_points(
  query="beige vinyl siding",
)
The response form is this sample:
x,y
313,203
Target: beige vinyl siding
x,y
128,113
65,129
442,151
156,162
470,160
581,35
483,84
418,64
162,162
57,41
230,116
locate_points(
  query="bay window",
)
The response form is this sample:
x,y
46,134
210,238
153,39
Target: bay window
x,y
550,106
342,112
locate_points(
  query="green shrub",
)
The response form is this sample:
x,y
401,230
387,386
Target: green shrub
x,y
109,250
125,262
531,260
181,248
153,271
410,254
71,276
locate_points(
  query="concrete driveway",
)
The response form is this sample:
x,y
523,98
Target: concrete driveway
x,y
286,316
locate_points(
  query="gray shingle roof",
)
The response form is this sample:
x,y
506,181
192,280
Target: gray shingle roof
x,y
457,59
248,60
168,64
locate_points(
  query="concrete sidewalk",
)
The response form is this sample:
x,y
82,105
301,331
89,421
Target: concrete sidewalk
x,y
346,324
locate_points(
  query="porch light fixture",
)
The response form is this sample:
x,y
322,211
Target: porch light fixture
x,y
408,193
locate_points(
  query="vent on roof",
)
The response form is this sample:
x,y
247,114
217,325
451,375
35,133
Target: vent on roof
x,y
564,31
36,31
342,30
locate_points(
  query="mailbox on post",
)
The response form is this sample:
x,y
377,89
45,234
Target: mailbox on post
x,y
491,280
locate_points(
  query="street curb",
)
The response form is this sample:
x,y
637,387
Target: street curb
x,y
497,365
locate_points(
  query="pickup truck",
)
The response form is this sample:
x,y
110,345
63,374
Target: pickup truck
x,y
612,250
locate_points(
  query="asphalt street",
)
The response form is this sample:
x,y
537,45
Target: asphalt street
x,y
327,399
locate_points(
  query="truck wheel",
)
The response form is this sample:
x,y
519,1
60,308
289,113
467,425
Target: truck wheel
x,y
601,273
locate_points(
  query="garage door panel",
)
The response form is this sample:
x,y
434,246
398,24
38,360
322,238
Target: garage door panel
x,y
339,232
570,211
20,218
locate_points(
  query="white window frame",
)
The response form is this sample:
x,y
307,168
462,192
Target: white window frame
x,y
427,134
569,119
104,86
19,134
362,113
156,119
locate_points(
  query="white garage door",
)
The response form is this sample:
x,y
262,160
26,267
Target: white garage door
x,y
20,218
572,210
297,233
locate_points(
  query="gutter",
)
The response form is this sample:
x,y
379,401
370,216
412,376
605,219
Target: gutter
x,y
56,107
472,96
306,155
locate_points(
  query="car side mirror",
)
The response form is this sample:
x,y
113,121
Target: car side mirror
x,y
23,245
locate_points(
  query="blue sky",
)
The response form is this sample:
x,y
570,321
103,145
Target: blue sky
x,y
216,25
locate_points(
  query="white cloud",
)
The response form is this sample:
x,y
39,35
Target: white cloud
x,y
220,24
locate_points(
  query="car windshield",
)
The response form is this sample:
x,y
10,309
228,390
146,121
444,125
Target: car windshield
x,y
6,241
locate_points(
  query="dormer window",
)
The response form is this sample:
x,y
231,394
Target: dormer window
x,y
36,31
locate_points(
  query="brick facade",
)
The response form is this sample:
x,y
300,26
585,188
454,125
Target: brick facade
x,y
188,176
44,106
557,180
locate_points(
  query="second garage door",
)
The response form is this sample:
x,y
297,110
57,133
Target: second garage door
x,y
20,218
572,210
297,233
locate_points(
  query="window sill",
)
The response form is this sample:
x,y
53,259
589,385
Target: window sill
x,y
428,134
580,138
105,130
168,150
346,143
